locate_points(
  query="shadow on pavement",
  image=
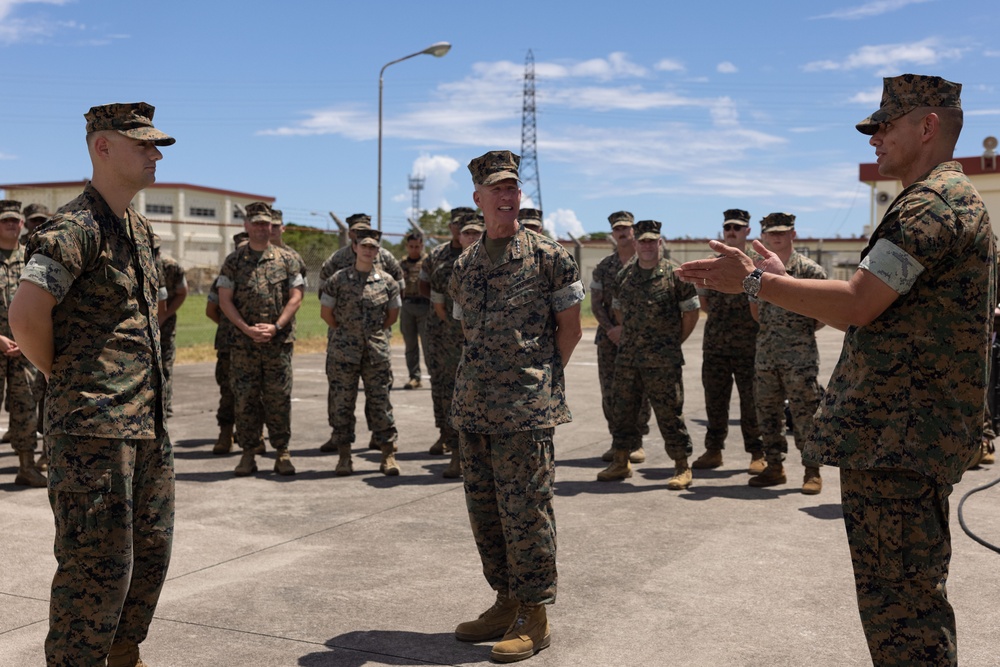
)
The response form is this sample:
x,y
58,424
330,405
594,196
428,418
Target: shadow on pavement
x,y
386,647
829,512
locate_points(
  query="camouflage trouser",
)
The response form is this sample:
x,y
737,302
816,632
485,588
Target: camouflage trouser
x,y
717,375
509,480
897,529
330,406
413,325
771,388
607,352
226,415
664,387
17,377
38,388
343,377
113,502
168,351
261,380
443,355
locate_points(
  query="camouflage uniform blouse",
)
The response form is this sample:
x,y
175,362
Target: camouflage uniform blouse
x,y
173,280
411,269
449,332
603,279
10,278
262,283
226,332
652,307
439,254
730,329
106,375
510,378
787,339
908,391
345,258
360,308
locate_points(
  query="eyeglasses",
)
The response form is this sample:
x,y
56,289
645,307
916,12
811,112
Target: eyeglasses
x,y
733,227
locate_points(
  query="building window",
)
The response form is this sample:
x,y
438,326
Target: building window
x,y
196,212
237,213
162,209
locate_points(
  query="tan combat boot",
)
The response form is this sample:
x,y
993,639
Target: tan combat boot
x,y
757,463
988,457
224,444
712,458
27,473
247,465
682,475
454,469
345,466
389,467
637,455
812,483
527,635
491,624
283,464
609,455
438,448
773,475
618,470
125,655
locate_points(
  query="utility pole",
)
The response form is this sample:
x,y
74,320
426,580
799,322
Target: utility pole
x,y
416,185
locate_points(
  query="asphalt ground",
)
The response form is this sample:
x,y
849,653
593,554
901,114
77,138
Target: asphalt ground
x,y
318,570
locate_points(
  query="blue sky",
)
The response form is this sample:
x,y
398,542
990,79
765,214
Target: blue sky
x,y
675,111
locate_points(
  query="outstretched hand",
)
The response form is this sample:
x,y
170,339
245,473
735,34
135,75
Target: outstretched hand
x,y
726,272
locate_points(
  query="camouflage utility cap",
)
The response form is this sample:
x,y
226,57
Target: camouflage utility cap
x,y
413,235
902,94
473,224
736,216
10,208
777,222
32,211
134,120
647,229
494,167
359,221
369,237
258,211
240,237
621,219
277,217
460,213
526,214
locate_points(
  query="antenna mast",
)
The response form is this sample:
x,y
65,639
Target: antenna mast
x,y
529,144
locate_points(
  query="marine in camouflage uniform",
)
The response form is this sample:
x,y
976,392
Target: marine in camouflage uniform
x,y
416,307
922,301
518,296
728,349
360,303
344,258
225,335
260,290
602,293
17,375
175,284
787,364
658,312
35,215
450,341
91,277
441,335
900,447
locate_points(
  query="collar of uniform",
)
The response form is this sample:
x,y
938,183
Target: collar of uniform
x,y
657,271
373,275
518,247
102,207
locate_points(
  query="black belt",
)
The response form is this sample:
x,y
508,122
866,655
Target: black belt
x,y
415,299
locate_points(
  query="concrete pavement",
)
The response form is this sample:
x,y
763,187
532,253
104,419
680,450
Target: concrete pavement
x,y
317,570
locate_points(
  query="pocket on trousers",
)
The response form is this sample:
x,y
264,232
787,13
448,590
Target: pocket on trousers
x,y
910,539
81,503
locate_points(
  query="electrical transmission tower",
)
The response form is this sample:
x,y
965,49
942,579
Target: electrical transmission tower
x,y
528,170
416,185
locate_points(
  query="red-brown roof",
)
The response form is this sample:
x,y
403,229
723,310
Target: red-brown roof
x,y
154,186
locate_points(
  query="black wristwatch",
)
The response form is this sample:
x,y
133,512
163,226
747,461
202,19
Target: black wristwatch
x,y
751,284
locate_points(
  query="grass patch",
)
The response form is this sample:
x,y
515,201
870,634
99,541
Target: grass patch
x,y
196,333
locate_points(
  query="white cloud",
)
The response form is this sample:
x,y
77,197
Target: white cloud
x,y
867,10
14,29
889,59
562,221
669,65
870,97
726,67
7,156
439,173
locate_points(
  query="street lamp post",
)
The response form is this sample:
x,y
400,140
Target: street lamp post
x,y
437,50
